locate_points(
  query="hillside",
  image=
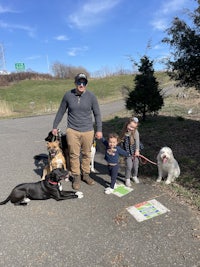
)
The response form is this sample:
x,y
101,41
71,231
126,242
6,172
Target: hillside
x,y
33,97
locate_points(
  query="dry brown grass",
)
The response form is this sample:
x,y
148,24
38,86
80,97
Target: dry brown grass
x,y
5,109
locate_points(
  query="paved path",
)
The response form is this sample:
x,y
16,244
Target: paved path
x,y
95,231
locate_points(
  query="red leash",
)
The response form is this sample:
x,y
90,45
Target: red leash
x,y
144,160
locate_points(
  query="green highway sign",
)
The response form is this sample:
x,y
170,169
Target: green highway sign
x,y
20,66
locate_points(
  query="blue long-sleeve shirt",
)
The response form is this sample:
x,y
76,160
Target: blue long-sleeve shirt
x,y
112,155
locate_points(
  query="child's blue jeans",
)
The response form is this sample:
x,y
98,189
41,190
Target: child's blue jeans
x,y
113,172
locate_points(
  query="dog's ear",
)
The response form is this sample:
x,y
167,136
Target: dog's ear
x,y
50,137
47,177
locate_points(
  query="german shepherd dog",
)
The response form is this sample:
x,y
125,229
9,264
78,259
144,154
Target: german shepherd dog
x,y
42,190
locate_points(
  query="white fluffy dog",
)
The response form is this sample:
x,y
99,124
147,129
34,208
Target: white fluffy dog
x,y
167,165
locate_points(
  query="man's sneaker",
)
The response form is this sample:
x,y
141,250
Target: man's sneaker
x,y
88,179
135,179
108,190
128,182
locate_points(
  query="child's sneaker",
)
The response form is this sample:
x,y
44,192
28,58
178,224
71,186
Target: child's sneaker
x,y
135,179
108,190
128,182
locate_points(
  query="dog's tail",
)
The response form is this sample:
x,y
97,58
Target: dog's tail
x,y
5,201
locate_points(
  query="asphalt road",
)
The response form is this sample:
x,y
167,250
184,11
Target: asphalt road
x,y
96,231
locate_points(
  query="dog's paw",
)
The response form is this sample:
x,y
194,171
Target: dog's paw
x,y
168,182
25,201
60,187
159,180
79,194
67,179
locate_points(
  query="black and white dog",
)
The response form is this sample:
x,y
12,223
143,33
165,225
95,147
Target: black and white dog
x,y
42,190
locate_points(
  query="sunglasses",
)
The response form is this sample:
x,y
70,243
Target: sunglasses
x,y
81,83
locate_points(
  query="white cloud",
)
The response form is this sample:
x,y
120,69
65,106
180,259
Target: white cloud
x,y
33,57
172,6
3,24
30,31
157,47
91,12
74,51
61,38
166,12
160,24
4,9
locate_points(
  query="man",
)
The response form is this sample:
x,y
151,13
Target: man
x,y
80,105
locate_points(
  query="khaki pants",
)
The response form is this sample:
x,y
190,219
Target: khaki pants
x,y
79,143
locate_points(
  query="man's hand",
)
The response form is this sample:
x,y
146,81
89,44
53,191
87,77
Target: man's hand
x,y
98,135
55,132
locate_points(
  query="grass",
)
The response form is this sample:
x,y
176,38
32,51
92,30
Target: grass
x,y
5,108
34,97
173,127
30,97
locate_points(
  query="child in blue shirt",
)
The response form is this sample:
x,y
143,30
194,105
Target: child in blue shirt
x,y
113,151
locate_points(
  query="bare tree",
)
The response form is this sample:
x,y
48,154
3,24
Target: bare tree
x,y
63,71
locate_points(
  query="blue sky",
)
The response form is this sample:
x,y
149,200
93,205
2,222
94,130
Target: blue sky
x,y
100,35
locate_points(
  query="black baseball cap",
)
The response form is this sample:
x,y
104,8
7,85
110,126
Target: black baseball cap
x,y
80,76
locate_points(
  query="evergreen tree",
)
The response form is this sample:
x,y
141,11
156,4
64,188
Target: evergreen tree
x,y
184,40
146,96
